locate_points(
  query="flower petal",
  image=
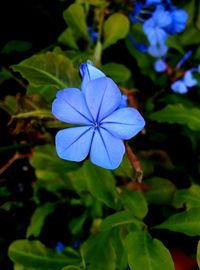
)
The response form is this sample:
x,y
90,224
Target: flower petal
x,y
179,87
70,106
179,20
158,50
124,102
160,65
102,97
106,150
74,143
124,123
162,17
88,73
152,2
189,80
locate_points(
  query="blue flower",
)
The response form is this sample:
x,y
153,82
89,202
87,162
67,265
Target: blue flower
x,y
158,50
160,65
103,125
181,86
155,26
60,246
135,12
88,73
179,19
93,34
152,2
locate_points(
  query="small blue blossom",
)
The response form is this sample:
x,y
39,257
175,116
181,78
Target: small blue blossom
x,y
103,125
60,246
155,26
179,19
76,244
181,86
160,65
161,19
158,50
93,34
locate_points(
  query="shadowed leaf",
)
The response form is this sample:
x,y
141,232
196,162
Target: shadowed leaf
x,y
178,114
33,254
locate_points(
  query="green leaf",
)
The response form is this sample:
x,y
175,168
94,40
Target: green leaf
x,y
46,92
188,198
125,169
9,104
117,236
120,218
101,184
48,69
33,254
174,42
146,253
99,253
38,218
191,36
46,158
138,34
51,171
144,61
76,224
160,190
21,267
67,38
135,202
98,181
178,114
5,74
97,3
118,72
71,267
187,222
4,192
198,254
198,17
116,27
16,46
75,17
190,7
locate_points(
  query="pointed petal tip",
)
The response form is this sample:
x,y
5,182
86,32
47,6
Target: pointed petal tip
x,y
89,72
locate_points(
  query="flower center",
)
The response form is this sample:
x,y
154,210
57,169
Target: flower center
x,y
96,125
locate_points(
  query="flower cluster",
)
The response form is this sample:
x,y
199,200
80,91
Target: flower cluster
x,y
185,78
164,20
103,120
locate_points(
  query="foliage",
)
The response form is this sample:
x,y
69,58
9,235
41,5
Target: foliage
x,y
128,218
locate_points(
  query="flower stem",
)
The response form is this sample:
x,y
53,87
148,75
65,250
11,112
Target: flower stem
x,y
134,162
